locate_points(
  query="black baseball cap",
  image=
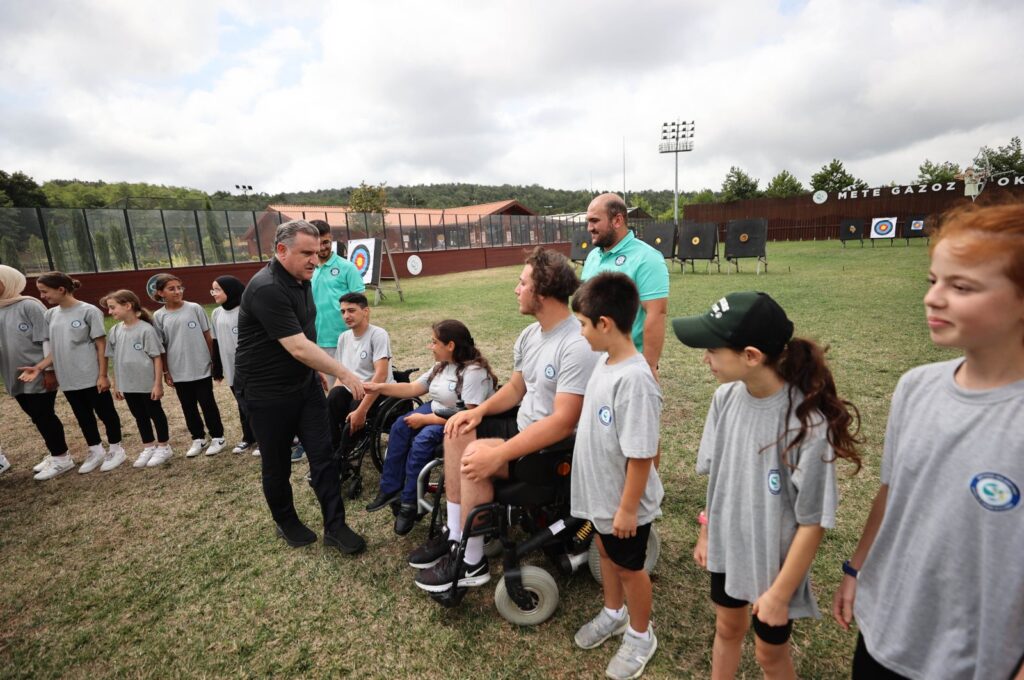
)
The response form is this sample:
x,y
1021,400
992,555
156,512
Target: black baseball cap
x,y
744,319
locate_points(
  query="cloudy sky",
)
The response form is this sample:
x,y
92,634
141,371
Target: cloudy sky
x,y
213,93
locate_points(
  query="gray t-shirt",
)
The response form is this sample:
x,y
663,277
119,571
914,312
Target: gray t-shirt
x,y
755,500
620,420
72,333
358,354
133,349
941,592
181,330
558,360
22,331
476,386
224,329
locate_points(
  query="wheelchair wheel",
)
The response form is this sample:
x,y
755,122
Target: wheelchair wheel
x,y
653,552
392,410
543,591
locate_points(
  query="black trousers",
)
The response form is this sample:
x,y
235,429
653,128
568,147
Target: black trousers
x,y
89,403
243,418
866,668
198,394
148,413
39,407
275,422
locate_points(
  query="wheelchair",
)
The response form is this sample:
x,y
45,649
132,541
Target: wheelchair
x,y
372,438
536,501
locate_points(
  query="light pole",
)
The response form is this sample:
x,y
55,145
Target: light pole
x,y
245,189
676,138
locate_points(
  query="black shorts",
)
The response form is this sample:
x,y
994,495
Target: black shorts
x,y
500,426
866,668
628,553
530,468
773,635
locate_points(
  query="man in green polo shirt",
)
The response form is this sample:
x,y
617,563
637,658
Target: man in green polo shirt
x,y
619,250
333,277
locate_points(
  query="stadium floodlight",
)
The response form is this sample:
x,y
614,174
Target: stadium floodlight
x,y
245,189
678,138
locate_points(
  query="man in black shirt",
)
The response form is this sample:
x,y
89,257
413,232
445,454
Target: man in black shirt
x,y
276,376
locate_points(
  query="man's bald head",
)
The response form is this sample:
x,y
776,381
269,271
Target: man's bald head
x,y
606,220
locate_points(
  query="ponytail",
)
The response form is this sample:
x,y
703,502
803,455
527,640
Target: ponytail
x,y
803,366
59,280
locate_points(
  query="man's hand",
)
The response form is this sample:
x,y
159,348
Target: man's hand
x,y
842,601
354,385
481,462
624,523
417,421
770,609
462,422
102,384
356,420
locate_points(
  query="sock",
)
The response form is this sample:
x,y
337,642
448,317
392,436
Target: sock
x,y
454,521
616,613
646,635
474,550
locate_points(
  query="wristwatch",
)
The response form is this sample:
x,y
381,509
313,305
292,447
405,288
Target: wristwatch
x,y
849,570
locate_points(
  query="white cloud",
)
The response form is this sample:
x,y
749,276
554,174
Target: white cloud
x,y
212,94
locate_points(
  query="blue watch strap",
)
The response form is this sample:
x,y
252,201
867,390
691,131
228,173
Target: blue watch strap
x,y
849,570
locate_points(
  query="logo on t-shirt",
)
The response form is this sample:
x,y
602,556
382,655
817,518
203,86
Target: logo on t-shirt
x,y
995,492
23,326
451,385
137,345
192,324
620,260
774,482
549,372
604,414
234,329
335,271
362,355
76,324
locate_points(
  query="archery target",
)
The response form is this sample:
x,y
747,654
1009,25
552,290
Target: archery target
x,y
361,259
365,254
883,227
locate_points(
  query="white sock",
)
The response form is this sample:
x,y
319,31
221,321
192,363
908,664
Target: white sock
x,y
454,521
616,613
646,635
474,550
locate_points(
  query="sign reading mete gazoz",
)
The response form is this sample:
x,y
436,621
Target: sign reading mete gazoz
x,y
904,190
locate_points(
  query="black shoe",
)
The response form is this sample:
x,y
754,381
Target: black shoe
x,y
441,577
383,500
406,518
296,534
345,540
428,554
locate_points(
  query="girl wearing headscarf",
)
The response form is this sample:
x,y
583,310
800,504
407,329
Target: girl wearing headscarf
x,y
227,292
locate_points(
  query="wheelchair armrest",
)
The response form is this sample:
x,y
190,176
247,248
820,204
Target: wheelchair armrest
x,y
402,376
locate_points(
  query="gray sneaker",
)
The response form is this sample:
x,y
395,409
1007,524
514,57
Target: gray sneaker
x,y
631,659
603,626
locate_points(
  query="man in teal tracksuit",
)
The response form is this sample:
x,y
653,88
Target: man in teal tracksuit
x,y
334,276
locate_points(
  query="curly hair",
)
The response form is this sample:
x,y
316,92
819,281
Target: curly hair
x,y
552,276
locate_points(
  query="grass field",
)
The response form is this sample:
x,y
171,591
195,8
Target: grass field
x,y
176,572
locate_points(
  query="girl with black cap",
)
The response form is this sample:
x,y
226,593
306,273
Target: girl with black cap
x,y
227,292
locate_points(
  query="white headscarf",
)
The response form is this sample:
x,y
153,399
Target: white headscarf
x,y
13,282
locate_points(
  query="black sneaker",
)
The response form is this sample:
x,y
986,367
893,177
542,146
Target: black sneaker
x,y
344,540
406,518
430,552
383,500
439,578
296,534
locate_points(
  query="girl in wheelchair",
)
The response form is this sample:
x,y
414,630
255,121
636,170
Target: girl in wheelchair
x,y
460,378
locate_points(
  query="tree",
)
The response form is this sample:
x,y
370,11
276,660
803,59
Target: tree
x,y
80,233
22,190
929,173
119,248
9,254
784,185
833,177
214,234
1008,159
369,199
643,203
102,245
738,186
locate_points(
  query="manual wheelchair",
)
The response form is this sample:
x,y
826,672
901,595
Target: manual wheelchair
x,y
535,499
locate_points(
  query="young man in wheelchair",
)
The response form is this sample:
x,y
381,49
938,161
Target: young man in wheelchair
x,y
365,350
538,407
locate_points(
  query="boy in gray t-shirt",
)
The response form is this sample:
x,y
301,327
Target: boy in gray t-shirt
x,y
614,482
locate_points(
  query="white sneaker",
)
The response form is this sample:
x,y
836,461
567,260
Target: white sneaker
x,y
256,451
115,456
196,448
241,447
161,455
217,445
144,457
5,465
93,460
57,466
38,467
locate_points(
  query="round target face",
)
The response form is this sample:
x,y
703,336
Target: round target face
x,y
658,240
695,240
744,238
361,259
414,264
584,245
883,227
852,228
